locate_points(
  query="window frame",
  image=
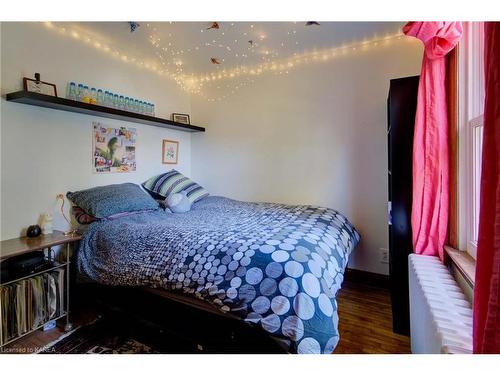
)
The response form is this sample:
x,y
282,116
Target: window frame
x,y
470,117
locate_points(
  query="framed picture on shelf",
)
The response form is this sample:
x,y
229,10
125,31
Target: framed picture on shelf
x,y
38,86
170,152
181,118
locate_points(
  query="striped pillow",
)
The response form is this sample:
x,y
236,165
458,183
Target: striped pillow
x,y
172,182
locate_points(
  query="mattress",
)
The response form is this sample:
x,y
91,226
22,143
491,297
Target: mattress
x,y
277,267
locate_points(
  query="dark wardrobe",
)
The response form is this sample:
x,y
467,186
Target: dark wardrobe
x,y
401,108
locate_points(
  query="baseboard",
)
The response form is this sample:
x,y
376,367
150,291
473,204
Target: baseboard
x,y
368,278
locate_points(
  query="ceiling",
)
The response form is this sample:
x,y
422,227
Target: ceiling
x,y
190,51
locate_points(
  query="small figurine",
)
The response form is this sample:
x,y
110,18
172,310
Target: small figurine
x,y
47,223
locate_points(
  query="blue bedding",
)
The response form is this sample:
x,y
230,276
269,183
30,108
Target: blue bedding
x,y
275,266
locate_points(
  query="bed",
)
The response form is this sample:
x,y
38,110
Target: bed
x,y
277,267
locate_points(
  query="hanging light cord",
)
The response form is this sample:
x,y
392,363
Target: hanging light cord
x,y
71,231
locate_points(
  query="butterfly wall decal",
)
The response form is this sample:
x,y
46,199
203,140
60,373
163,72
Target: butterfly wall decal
x,y
214,25
133,26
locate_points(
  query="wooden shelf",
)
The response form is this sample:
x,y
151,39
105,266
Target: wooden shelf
x,y
22,245
63,104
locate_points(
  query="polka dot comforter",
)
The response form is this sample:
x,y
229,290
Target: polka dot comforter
x,y
275,266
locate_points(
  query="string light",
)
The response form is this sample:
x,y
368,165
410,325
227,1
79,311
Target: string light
x,y
242,73
296,59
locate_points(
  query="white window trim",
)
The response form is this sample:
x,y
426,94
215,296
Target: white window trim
x,y
470,116
473,173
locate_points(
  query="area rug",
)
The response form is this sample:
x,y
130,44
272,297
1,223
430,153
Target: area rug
x,y
105,336
132,321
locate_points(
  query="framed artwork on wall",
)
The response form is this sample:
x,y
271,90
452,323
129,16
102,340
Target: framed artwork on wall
x,y
181,117
38,86
113,149
170,152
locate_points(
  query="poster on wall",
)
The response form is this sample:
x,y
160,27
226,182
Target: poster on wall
x,y
113,149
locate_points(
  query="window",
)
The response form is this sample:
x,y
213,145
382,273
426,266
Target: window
x,y
471,108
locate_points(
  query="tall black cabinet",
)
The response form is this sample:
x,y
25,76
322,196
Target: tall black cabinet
x,y
401,109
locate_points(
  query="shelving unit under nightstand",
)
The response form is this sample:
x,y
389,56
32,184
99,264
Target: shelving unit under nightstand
x,y
18,246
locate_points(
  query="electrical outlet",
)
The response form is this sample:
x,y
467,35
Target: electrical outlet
x,y
384,256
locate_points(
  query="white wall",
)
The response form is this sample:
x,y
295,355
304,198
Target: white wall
x,y
316,136
45,152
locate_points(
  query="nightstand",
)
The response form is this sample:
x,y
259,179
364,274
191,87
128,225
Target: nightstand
x,y
20,286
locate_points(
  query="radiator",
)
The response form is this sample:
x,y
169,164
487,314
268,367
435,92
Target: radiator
x,y
440,315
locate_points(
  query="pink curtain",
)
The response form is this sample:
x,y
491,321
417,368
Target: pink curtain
x,y
430,145
487,285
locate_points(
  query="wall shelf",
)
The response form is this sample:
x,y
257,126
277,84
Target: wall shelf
x,y
63,104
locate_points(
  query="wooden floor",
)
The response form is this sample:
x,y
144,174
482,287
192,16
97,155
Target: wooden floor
x,y
365,324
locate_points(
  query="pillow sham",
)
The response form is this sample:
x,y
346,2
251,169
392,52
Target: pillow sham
x,y
84,218
105,201
173,182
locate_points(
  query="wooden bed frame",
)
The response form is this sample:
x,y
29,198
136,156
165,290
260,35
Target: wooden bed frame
x,y
181,316
189,301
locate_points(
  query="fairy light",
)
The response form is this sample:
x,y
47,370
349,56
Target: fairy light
x,y
284,66
169,56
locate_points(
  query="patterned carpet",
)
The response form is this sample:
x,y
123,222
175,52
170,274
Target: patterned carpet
x,y
105,336
147,330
